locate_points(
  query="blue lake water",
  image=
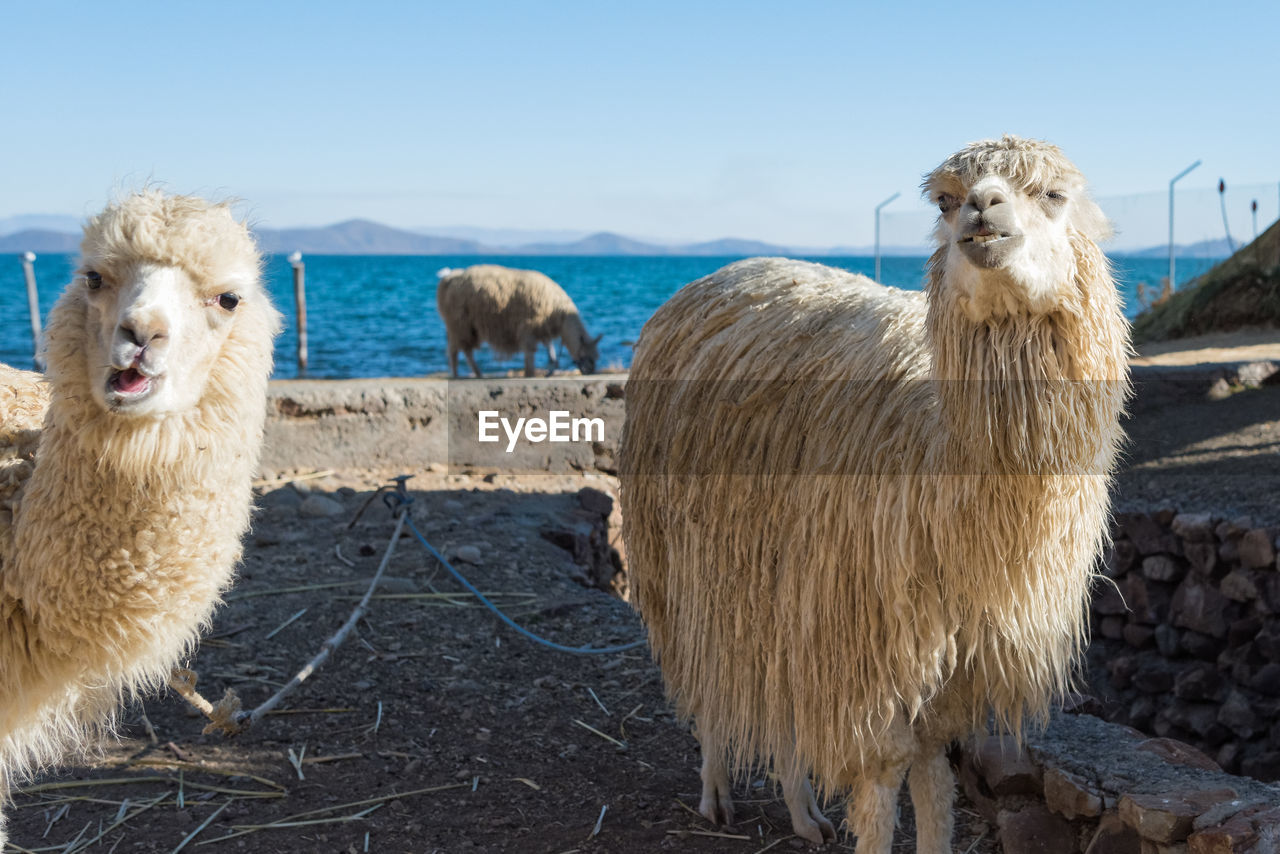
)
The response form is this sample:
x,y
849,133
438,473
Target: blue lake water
x,y
372,316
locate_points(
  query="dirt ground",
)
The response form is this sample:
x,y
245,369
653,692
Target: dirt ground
x,y
1192,452
436,729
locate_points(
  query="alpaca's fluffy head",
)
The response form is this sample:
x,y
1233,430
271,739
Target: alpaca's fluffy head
x,y
163,284
1008,211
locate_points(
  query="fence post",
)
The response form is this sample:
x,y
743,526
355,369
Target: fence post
x,y
300,306
33,305
878,207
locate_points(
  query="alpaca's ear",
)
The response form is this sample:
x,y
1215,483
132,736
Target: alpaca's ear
x,y
596,340
1092,222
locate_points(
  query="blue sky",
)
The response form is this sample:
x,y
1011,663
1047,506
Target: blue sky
x,y
675,120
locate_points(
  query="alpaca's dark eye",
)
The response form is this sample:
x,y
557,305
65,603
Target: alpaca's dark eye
x,y
228,301
93,279
1055,196
947,202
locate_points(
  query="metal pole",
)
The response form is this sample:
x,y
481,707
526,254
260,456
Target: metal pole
x,y
1173,283
300,305
33,305
1222,199
878,207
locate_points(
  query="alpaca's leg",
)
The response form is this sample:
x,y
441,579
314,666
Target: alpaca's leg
x,y
529,354
717,797
453,359
552,358
873,809
807,820
471,360
932,794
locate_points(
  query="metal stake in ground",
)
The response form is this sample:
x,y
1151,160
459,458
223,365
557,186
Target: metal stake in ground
x,y
33,305
300,307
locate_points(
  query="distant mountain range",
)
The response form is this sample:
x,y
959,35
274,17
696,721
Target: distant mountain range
x,y
51,233
40,240
1204,249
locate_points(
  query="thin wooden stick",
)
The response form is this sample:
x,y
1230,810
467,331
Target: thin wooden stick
x,y
295,759
245,830
121,818
193,834
287,480
249,718
595,831
339,757
598,703
73,843
345,710
367,802
621,745
297,588
712,833
149,762
278,629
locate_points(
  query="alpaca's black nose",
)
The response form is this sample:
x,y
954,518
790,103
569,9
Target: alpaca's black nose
x,y
985,197
142,335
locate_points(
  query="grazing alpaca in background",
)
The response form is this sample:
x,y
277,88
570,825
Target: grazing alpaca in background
x,y
513,310
860,520
126,476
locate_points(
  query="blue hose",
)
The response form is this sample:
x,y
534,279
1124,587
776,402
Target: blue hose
x,y
577,650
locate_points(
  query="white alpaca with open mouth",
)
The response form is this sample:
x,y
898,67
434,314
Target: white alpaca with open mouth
x,y
126,471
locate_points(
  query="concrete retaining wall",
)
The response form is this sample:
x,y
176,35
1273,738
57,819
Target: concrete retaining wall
x,y
414,423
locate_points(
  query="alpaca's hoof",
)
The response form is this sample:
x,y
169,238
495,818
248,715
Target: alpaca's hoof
x,y
816,829
717,808
807,820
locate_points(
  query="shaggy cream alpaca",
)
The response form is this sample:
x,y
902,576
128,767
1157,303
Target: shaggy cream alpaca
x,y
127,474
860,520
513,310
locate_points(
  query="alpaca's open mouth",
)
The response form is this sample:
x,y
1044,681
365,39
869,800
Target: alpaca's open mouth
x,y
129,386
990,249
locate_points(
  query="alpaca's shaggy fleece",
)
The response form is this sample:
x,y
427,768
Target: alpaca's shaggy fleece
x,y
857,520
514,311
115,546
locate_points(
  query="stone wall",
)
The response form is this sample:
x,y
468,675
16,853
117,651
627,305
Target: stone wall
x,y
1186,648
1187,636
1085,786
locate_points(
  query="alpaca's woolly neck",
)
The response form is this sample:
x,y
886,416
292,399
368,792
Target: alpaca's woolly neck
x,y
1029,394
1028,411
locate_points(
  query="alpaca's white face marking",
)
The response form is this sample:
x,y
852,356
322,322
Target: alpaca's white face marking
x,y
153,335
1008,248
